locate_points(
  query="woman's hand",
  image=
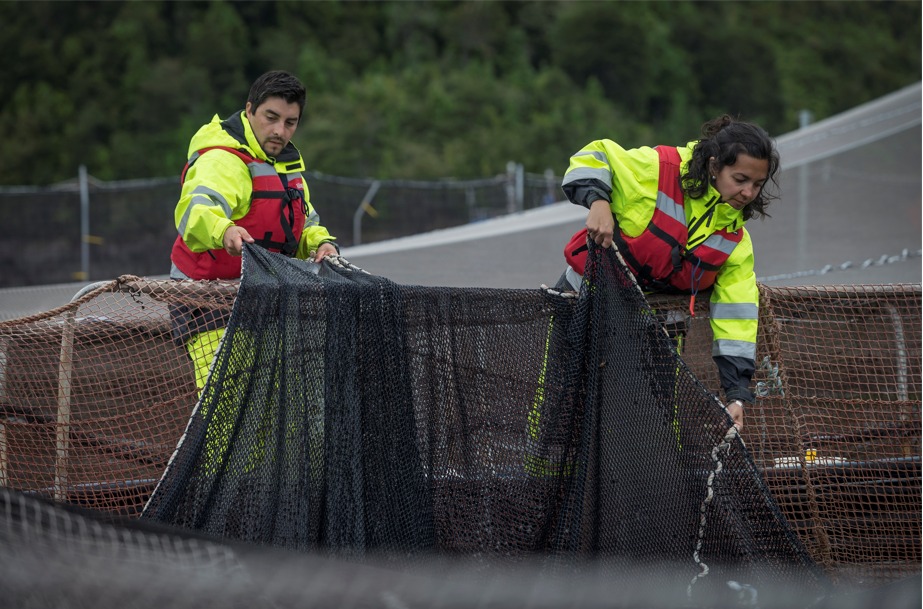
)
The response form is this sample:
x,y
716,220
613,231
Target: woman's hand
x,y
600,224
735,408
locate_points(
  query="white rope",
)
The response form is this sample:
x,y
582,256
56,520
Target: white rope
x,y
723,446
746,594
774,383
343,263
882,260
562,294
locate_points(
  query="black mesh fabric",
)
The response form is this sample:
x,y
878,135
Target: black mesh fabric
x,y
348,414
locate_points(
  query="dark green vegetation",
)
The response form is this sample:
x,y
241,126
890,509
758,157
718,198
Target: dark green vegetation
x,y
428,89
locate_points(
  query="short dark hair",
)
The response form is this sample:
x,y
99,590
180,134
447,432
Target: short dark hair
x,y
724,138
277,83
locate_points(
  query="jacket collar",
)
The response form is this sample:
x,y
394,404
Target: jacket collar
x,y
238,127
723,215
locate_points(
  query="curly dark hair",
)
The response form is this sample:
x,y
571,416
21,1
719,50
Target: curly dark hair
x,y
277,83
724,138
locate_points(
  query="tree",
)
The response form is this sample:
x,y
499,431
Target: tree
x,y
429,89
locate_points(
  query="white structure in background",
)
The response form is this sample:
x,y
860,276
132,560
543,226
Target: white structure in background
x,y
850,203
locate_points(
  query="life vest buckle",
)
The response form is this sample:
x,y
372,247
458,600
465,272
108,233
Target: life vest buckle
x,y
676,257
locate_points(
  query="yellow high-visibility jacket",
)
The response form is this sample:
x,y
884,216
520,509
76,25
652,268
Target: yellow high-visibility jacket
x,y
218,186
628,180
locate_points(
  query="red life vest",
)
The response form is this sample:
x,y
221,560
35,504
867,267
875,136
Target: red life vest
x,y
658,257
275,220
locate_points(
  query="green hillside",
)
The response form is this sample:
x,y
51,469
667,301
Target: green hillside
x,y
428,89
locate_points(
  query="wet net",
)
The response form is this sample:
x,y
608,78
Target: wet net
x,y
352,413
347,418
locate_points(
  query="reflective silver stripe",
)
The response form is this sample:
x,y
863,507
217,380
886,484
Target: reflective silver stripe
x,y
596,154
737,310
289,178
175,273
717,242
734,348
671,208
215,198
574,278
588,173
258,170
313,219
202,195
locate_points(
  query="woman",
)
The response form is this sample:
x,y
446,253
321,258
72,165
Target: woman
x,y
677,216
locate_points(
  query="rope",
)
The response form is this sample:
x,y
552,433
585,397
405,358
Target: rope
x,y
723,446
343,263
774,384
882,260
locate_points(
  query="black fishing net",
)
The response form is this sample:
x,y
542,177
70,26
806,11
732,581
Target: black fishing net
x,y
349,415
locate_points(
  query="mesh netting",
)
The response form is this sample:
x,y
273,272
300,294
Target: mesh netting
x,y
353,414
346,414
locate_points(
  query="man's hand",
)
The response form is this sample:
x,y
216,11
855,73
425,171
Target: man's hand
x,y
735,408
599,223
324,250
234,238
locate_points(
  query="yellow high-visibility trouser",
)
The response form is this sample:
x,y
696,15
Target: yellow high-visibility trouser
x,y
308,409
201,349
542,466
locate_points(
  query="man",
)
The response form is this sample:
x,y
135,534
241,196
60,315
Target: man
x,y
243,184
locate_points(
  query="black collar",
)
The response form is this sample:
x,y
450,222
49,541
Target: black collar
x,y
234,126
